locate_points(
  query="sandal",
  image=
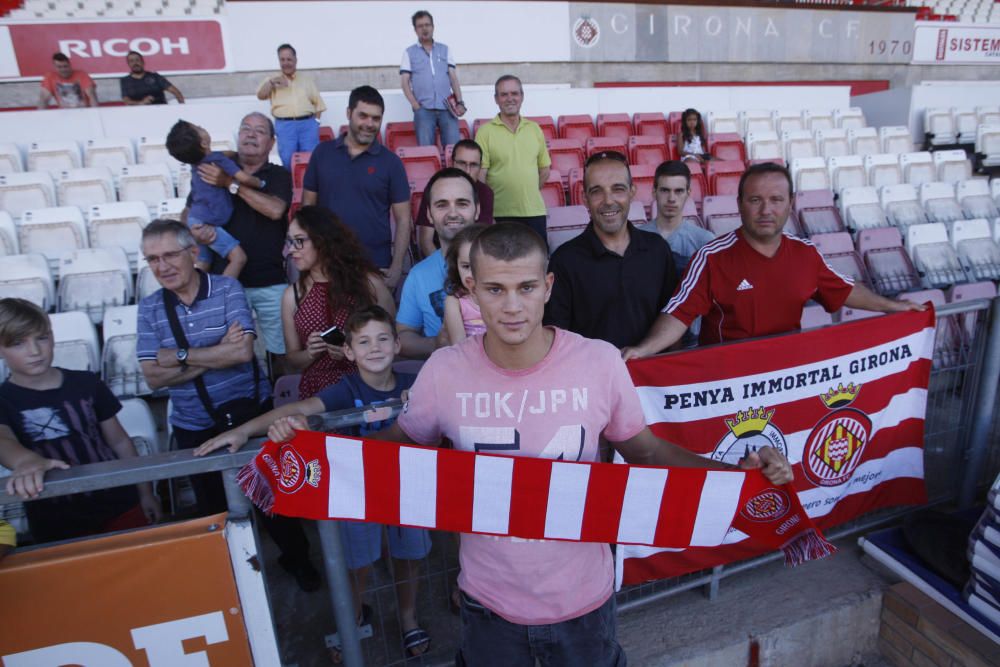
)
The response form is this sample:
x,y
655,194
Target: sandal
x,y
415,639
364,631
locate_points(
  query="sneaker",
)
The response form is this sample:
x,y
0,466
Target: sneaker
x,y
306,576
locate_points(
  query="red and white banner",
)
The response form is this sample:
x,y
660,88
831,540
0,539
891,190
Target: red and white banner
x,y
100,47
845,404
956,43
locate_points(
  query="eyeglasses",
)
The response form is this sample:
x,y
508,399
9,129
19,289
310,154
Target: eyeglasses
x,y
168,257
296,242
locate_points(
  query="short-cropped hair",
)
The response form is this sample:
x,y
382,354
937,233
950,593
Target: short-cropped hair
x,y
362,316
60,57
365,94
672,168
184,143
450,172
507,241
419,15
20,318
161,227
507,77
289,47
764,168
467,144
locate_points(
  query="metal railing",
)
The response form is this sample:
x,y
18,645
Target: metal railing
x,y
961,454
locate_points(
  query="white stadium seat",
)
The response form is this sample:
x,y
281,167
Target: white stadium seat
x,y
988,144
54,232
814,120
154,151
883,169
933,255
184,181
85,187
171,209
850,118
896,139
798,143
966,122
860,208
76,346
810,173
137,420
145,281
977,251
53,156
26,190
974,197
758,120
9,244
149,183
988,115
917,168
10,159
832,142
723,121
92,279
763,145
939,124
108,152
846,171
952,166
28,277
118,224
120,367
939,202
787,121
902,204
864,140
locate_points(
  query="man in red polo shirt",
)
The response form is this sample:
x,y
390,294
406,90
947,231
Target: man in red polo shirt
x,y
755,280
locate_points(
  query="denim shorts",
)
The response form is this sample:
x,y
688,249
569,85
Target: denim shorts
x,y
363,542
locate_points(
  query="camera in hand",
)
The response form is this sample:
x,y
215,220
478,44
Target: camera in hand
x,y
333,336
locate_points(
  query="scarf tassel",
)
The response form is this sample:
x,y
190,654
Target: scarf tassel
x,y
256,487
810,545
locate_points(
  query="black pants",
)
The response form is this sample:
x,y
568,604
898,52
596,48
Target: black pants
x,y
210,493
536,222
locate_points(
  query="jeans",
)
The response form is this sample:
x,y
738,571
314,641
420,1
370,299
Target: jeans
x,y
295,136
488,639
425,121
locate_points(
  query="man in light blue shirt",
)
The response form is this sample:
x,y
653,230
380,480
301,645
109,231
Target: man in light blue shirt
x,y
453,206
428,77
671,187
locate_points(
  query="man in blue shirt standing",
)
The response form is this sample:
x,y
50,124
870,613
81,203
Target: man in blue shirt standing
x,y
428,77
359,179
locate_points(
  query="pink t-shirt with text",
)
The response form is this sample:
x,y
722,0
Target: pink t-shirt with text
x,y
556,409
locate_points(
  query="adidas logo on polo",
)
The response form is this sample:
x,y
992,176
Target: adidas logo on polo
x,y
744,285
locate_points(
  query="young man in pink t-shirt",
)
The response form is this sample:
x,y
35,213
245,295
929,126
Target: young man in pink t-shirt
x,y
522,389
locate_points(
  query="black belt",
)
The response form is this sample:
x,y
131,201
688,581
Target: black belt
x,y
307,117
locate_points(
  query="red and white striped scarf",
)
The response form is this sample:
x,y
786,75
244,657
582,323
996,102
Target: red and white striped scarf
x,y
319,476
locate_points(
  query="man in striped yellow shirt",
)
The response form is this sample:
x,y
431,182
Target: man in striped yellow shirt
x,y
295,104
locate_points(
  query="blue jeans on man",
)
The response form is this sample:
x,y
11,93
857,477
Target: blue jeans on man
x,y
295,136
426,121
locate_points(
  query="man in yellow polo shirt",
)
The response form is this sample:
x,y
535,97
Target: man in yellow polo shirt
x,y
515,159
295,104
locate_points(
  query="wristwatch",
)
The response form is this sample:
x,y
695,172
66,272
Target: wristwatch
x,y
234,187
182,356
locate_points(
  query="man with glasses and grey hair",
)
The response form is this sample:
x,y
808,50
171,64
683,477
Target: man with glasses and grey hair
x,y
259,224
612,279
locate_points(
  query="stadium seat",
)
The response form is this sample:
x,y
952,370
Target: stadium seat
x,y
933,255
547,124
966,123
154,151
107,152
576,126
948,336
9,244
92,279
651,125
326,133
463,129
817,208
973,196
917,168
939,127
148,183
939,202
813,120
864,141
832,142
118,361
184,183
420,162
691,213
674,123
846,171
988,115
901,204
137,420
600,144
400,134
787,121
10,159
837,249
53,156
860,208
576,197
614,125
22,191
977,251
28,277
552,192
810,173
814,316
637,213
76,346
988,145
763,145
119,224
564,223
889,266
724,176
567,155
755,120
170,209
952,166
798,143
416,195
848,314
286,390
300,162
883,169
986,289
850,118
54,232
145,281
85,187
895,139
642,179
699,184
727,146
645,149
723,122
672,147
721,213
723,224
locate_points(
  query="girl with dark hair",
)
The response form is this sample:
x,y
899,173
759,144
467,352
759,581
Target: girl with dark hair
x,y
335,278
692,144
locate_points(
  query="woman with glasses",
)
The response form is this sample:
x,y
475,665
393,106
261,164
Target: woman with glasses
x,y
335,278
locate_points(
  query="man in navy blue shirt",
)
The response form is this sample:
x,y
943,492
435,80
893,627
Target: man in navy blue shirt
x,y
360,180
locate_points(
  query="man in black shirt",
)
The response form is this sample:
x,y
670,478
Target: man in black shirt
x,y
142,87
612,279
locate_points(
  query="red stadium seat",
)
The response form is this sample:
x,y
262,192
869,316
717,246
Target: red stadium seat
x,y
642,178
674,122
727,146
477,123
300,161
646,149
650,125
614,125
567,155
398,135
672,147
416,194
420,162
576,194
724,176
552,192
326,133
579,126
548,126
600,144
699,186
463,128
